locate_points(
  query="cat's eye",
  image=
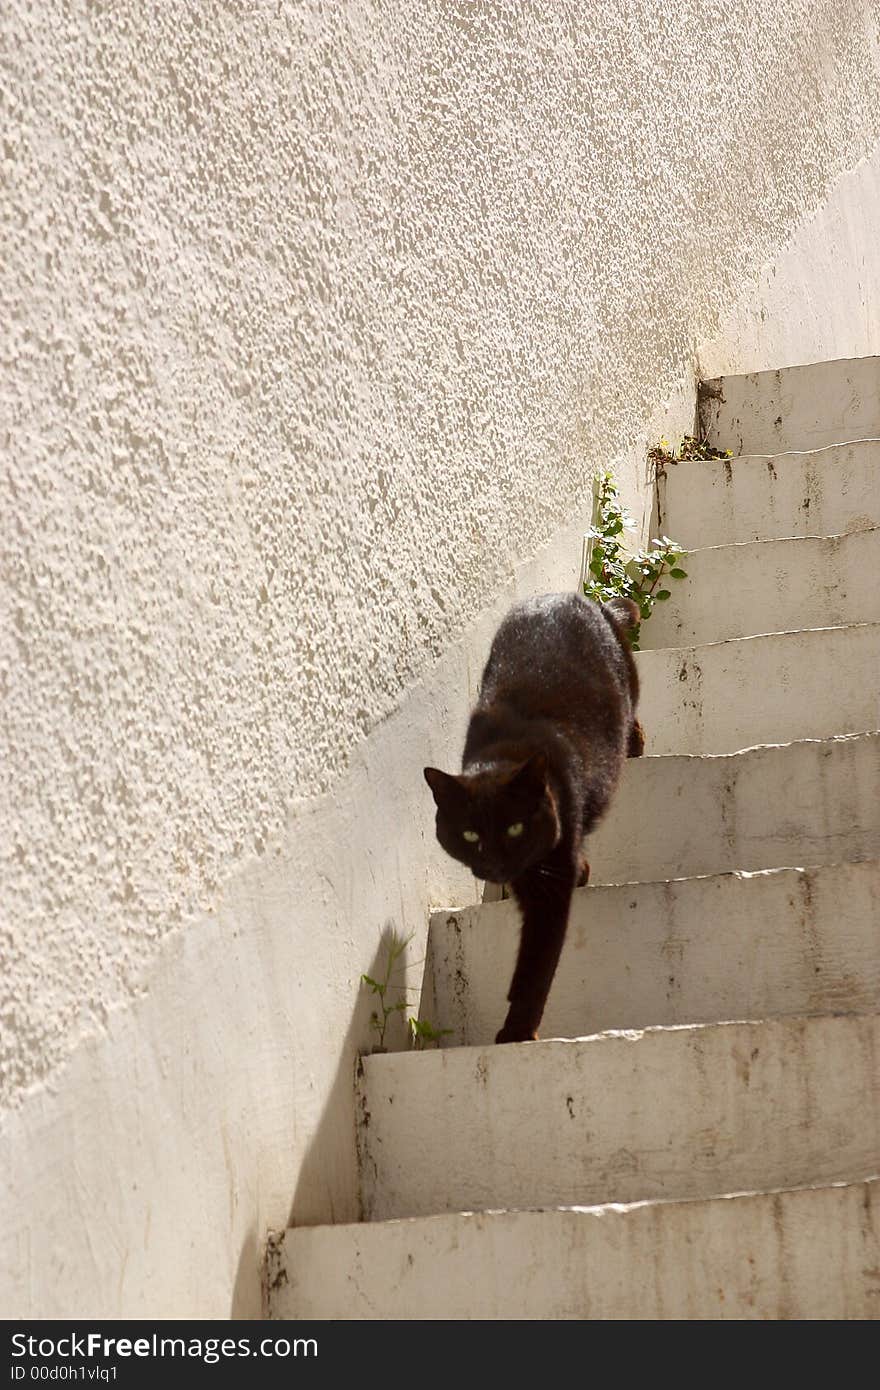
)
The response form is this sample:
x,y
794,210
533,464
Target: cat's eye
x,y
515,829
471,836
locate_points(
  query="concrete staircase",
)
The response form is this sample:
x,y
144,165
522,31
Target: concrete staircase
x,y
699,1135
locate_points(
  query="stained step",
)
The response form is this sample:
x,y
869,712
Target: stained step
x,y
811,1252
770,586
803,407
624,1116
795,804
782,941
720,697
827,492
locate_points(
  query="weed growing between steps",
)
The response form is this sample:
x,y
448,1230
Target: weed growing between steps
x,y
420,1031
690,448
610,574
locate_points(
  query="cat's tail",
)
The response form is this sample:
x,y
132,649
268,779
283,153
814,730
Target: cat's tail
x,y
622,611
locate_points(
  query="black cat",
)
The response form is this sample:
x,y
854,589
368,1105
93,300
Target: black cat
x,y
546,743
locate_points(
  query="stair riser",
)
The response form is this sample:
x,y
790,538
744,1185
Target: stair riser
x,y
797,408
732,695
799,804
828,493
803,1254
770,586
680,1113
784,942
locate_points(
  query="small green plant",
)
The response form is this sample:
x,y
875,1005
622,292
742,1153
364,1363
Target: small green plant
x,y
611,573
384,1010
421,1031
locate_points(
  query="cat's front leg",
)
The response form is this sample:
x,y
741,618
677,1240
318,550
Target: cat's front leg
x,y
544,896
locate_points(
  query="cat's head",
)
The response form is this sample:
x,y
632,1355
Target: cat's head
x,y
498,820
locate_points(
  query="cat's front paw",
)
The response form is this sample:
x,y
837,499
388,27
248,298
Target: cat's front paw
x,y
513,1035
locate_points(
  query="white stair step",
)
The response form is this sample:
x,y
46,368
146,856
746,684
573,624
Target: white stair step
x,y
770,586
806,1253
795,408
783,941
805,803
828,492
724,696
668,1112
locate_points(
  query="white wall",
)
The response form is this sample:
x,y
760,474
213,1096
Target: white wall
x,y
318,324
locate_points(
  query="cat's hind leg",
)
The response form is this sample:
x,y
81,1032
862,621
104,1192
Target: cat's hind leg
x,y
636,745
583,877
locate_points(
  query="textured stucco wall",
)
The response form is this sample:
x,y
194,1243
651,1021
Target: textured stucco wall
x,y
317,320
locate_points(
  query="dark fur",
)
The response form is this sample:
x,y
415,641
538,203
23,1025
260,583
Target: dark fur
x,y
546,743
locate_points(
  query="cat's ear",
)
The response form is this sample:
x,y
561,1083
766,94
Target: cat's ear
x,y
444,786
533,772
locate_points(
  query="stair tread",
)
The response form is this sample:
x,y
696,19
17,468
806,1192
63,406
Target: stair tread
x,y
808,801
793,541
794,408
439,1218
686,1110
508,904
806,1252
823,453
671,951
628,1035
862,734
746,637
773,585
722,697
831,491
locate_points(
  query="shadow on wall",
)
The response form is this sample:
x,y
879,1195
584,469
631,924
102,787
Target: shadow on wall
x,y
327,1187
333,1145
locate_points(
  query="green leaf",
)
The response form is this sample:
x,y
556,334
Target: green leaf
x,y
613,570
368,980
678,574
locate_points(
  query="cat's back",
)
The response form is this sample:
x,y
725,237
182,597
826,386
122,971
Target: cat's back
x,y
548,639
560,679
